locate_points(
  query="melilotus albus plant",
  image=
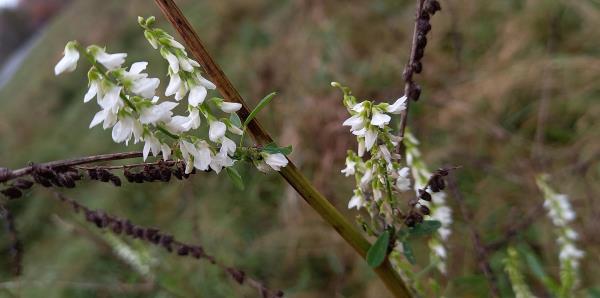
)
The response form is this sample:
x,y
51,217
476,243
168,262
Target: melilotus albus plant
x,y
398,198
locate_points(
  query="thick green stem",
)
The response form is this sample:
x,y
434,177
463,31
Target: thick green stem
x,y
291,174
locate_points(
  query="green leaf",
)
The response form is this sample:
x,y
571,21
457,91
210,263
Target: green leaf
x,y
263,103
377,253
235,120
235,177
427,227
272,148
408,252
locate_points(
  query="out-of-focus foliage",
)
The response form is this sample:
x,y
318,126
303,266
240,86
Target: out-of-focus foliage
x,y
510,89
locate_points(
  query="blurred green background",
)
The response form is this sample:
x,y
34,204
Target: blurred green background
x,y
510,89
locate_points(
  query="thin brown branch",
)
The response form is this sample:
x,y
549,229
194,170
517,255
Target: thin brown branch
x,y
7,174
122,226
408,73
291,174
480,249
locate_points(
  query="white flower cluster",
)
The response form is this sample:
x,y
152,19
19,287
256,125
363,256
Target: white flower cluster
x,y
380,175
130,107
561,213
439,209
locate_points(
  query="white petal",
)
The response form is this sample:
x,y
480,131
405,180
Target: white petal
x,y
174,85
370,138
185,64
111,61
197,95
166,151
138,67
99,117
380,119
173,62
68,62
92,91
398,106
230,107
217,130
276,161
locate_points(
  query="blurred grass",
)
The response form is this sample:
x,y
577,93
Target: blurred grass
x,y
483,86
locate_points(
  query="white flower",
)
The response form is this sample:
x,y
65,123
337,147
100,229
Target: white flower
x,y
366,178
111,100
107,116
380,119
355,122
172,42
229,107
235,130
359,107
145,87
92,91
197,95
152,144
398,106
570,252
356,201
227,145
110,61
350,167
157,113
361,147
403,182
188,151
174,85
370,138
217,130
166,151
204,82
385,153
125,128
185,64
68,62
202,158
219,161
173,61
275,161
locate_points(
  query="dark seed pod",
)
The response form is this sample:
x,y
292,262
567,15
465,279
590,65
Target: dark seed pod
x,y
116,181
418,67
184,250
421,40
418,217
166,241
432,6
104,175
5,174
409,221
66,180
177,173
128,227
23,184
419,52
138,177
197,252
437,183
237,275
423,25
41,180
129,175
117,227
415,92
149,233
424,195
424,210
93,174
12,193
443,172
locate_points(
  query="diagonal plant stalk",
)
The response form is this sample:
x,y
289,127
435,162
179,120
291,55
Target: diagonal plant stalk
x,y
290,173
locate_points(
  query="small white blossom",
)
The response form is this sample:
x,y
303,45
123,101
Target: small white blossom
x,y
275,161
380,119
217,130
370,138
110,61
125,128
230,107
197,95
152,144
349,170
68,62
157,113
398,106
357,201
